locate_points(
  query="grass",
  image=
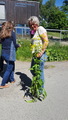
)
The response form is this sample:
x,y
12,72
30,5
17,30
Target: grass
x,y
24,53
63,34
55,51
56,34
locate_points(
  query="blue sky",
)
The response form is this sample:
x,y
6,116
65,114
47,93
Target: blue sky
x,y
58,2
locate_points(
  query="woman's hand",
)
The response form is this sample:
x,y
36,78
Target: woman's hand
x,y
19,45
40,53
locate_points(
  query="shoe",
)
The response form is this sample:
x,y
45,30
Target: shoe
x,y
13,82
5,86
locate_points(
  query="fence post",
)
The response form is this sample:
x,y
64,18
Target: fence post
x,y
22,31
25,29
60,35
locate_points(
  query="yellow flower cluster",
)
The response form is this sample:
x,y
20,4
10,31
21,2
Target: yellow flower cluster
x,y
36,48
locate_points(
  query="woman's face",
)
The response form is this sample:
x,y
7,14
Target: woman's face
x,y
33,26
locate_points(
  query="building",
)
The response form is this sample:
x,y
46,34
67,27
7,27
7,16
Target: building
x,y
18,11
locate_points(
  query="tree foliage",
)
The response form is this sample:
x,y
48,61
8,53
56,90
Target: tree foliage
x,y
65,6
53,16
57,19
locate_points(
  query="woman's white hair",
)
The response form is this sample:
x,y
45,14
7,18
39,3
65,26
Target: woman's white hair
x,y
34,20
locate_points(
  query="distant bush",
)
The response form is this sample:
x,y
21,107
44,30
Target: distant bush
x,y
57,52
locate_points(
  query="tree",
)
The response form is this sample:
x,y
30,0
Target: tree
x,y
65,2
57,19
50,3
44,9
53,16
65,6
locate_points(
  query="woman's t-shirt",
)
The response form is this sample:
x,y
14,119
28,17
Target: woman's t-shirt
x,y
36,40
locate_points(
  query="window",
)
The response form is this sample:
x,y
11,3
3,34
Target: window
x,y
2,12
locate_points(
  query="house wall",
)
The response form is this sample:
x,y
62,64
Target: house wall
x,y
20,11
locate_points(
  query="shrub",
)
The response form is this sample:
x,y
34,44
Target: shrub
x,y
57,52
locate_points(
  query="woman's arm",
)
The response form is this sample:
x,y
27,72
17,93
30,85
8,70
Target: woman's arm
x,y
14,40
45,42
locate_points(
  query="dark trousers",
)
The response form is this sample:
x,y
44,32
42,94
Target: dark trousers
x,y
1,63
9,73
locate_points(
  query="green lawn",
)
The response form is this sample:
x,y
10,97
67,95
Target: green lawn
x,y
56,34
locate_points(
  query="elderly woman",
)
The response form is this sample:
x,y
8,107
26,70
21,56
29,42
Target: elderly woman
x,y
40,43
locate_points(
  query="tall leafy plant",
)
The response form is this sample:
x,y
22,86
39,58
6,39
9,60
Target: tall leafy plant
x,y
36,89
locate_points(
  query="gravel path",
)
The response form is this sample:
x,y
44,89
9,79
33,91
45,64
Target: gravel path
x,y
54,107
